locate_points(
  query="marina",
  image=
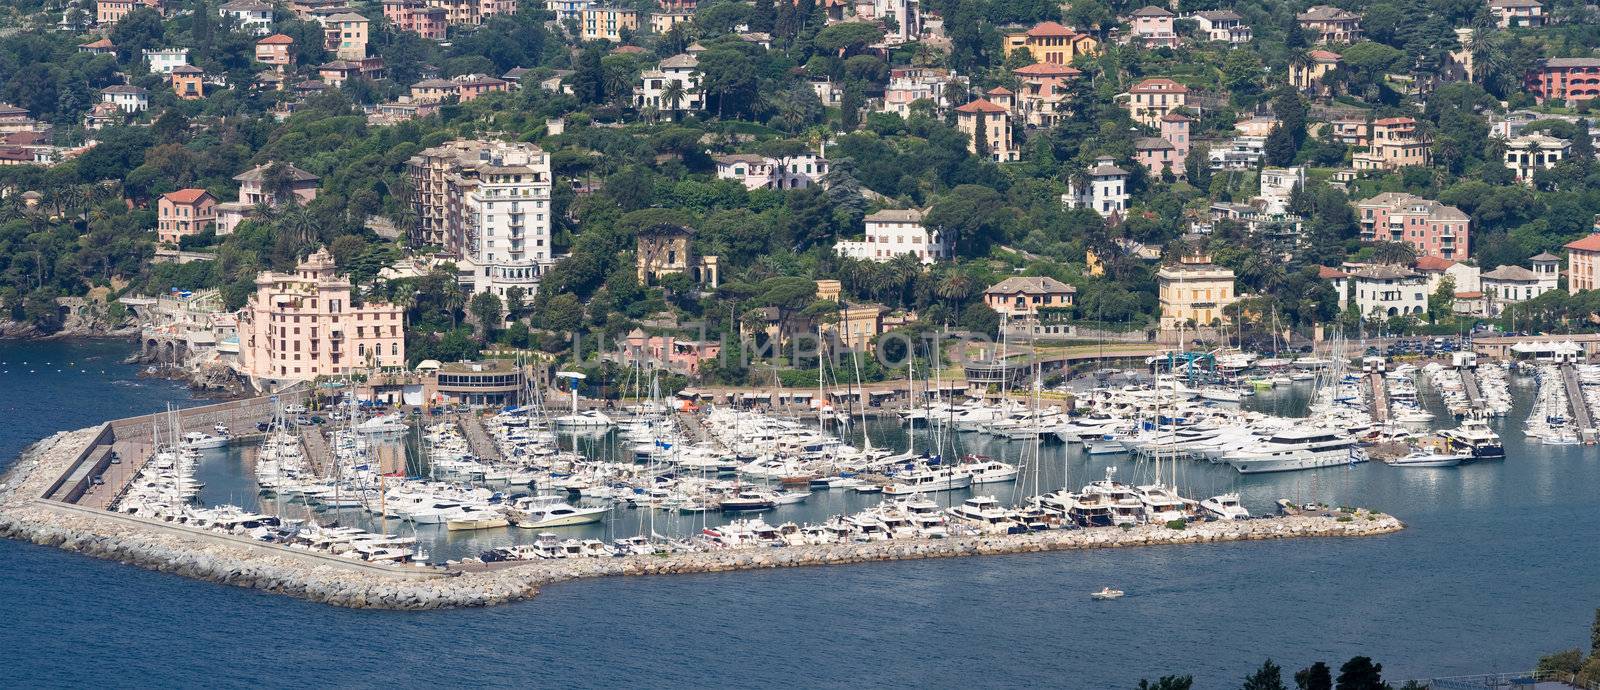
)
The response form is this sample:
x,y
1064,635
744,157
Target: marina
x,y
1488,500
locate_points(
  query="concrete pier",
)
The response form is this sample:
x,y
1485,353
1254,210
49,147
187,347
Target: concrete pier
x,y
1380,398
1469,385
478,438
1580,407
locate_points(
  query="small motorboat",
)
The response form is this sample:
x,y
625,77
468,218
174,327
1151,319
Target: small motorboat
x,y
1430,457
1106,593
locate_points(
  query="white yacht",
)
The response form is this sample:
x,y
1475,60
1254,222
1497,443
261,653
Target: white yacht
x,y
383,424
587,419
985,513
538,512
1225,507
984,470
926,480
202,441
1297,449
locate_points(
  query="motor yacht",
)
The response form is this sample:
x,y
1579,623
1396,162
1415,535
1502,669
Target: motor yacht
x,y
539,512
1225,507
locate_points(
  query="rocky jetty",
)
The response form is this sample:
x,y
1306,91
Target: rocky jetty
x,y
232,561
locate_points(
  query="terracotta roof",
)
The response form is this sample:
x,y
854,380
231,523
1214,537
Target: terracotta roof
x,y
1587,244
1220,15
1176,117
1050,29
1325,13
1383,272
1328,273
1572,62
1046,69
1470,294
1151,143
187,69
276,40
999,91
1432,264
259,172
1391,121
102,43
981,106
679,61
1544,256
1324,56
185,196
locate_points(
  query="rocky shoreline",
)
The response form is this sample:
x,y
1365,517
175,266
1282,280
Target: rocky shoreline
x,y
231,561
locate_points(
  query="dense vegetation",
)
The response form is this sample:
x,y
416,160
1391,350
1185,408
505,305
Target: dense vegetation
x,y
650,167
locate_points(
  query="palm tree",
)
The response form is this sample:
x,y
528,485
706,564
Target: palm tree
x,y
953,287
619,83
298,222
674,93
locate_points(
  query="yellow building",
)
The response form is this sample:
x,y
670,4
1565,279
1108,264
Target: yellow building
x,y
608,23
1052,43
1308,75
1194,292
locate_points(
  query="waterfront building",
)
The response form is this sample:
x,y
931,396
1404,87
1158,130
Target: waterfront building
x,y
891,233
1327,24
1194,292
1530,153
1021,298
1106,192
1507,285
1152,99
1432,228
679,356
184,213
491,382
301,325
1583,263
1385,291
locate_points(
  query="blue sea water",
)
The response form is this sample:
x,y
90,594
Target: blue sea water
x,y
1498,566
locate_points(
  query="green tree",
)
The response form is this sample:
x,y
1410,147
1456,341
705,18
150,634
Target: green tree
x,y
486,308
1359,673
1279,149
1442,302
1268,677
1168,683
1315,677
562,313
1197,167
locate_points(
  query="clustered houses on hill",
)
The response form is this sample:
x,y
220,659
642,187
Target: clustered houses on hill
x,y
935,160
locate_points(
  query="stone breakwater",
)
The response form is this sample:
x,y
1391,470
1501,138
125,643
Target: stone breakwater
x,y
226,560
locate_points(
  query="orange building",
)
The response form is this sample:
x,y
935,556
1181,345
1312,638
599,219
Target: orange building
x,y
184,213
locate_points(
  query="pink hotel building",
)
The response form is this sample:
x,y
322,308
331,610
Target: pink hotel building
x,y
1434,229
301,325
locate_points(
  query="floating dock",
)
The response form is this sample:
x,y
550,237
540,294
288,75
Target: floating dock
x,y
1580,407
1380,397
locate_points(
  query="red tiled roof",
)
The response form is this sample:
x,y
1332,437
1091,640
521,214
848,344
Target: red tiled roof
x,y
1324,55
999,90
981,106
1046,69
185,196
102,43
1050,29
276,39
1176,117
1433,263
1326,273
1389,121
1470,294
1587,244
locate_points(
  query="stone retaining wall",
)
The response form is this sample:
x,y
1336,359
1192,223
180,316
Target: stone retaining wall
x,y
236,562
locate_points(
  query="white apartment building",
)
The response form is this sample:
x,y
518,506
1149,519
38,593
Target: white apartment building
x,y
254,16
1530,153
1107,190
488,203
127,98
163,60
891,233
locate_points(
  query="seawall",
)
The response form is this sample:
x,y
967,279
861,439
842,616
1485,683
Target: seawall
x,y
332,580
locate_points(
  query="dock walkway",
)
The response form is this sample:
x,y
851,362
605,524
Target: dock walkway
x,y
1469,384
1380,398
317,450
1580,407
478,438
697,429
